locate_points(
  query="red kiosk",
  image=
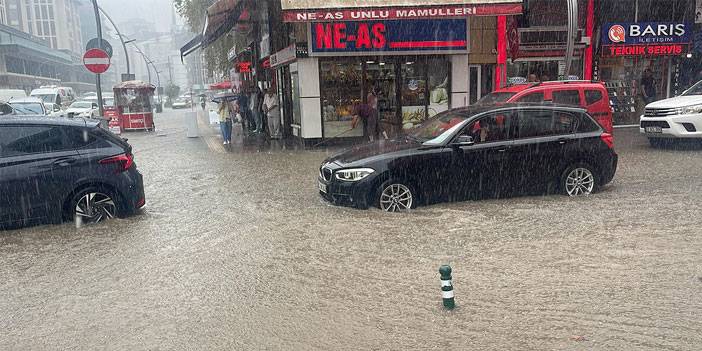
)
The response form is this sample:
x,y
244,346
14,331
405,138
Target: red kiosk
x,y
133,105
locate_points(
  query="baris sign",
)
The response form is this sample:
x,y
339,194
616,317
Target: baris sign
x,y
645,39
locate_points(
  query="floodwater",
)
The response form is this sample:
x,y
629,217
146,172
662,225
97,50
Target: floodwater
x,y
236,251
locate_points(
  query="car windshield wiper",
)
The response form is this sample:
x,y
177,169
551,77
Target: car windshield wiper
x,y
413,138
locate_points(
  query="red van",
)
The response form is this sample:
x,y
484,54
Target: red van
x,y
592,96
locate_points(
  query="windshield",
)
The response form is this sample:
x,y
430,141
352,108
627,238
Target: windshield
x,y
438,129
47,98
82,104
694,90
28,108
495,98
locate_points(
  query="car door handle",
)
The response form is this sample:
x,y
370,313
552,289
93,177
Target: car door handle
x,y
564,141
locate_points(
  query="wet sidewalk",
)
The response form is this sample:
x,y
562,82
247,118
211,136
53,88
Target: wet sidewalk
x,y
242,141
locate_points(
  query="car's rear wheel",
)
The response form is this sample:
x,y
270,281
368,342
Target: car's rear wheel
x,y
579,180
396,196
94,205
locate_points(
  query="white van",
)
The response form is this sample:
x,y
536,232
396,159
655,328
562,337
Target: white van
x,y
55,98
9,94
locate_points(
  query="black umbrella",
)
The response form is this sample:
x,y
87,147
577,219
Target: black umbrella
x,y
225,97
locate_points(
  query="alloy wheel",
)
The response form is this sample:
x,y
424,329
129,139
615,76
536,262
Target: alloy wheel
x,y
396,198
580,181
94,207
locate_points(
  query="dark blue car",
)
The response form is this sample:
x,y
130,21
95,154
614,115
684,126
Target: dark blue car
x,y
55,169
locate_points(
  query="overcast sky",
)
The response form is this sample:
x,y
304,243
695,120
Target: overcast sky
x,y
155,11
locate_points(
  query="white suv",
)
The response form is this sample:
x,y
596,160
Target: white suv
x,y
677,117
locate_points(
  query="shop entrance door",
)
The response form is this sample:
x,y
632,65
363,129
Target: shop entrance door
x,y
474,84
380,77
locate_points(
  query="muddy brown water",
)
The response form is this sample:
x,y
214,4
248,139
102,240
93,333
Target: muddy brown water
x,y
236,251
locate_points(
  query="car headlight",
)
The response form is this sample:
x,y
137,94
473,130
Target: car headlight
x,y
691,110
353,174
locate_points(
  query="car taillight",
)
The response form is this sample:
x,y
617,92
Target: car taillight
x,y
125,160
608,139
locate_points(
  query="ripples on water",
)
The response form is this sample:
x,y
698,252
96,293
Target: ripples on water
x,y
237,251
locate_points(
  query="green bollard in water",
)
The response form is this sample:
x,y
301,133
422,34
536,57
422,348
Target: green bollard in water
x,y
447,287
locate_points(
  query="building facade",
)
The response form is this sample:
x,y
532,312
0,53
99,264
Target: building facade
x,y
56,21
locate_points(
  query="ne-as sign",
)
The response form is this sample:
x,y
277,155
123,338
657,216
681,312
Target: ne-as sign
x,y
392,36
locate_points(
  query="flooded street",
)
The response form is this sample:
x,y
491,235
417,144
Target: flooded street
x,y
236,251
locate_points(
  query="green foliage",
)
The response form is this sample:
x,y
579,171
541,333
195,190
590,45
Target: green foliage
x,y
172,91
194,12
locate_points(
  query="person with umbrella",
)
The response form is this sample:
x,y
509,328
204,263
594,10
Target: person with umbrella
x,y
225,121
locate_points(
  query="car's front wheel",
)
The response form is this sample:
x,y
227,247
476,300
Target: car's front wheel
x,y
396,196
93,205
579,180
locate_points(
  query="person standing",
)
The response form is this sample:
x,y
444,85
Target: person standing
x,y
255,101
367,115
372,122
225,122
648,87
244,110
272,110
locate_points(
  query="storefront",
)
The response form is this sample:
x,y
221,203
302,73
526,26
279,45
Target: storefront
x,y
414,60
538,38
638,60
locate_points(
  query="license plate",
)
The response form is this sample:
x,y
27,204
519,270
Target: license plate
x,y
654,130
322,187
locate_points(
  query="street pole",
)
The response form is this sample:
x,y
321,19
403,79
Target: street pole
x,y
124,46
97,76
572,32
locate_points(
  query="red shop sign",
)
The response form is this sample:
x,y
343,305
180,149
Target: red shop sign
x,y
405,12
243,67
645,50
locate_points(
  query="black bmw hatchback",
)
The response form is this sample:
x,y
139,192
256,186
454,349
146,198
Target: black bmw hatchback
x,y
59,169
474,152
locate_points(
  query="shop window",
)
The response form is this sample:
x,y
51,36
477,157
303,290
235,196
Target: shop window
x,y
592,96
426,89
567,97
439,85
341,87
414,91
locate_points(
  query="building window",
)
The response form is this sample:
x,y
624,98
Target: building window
x,y
3,12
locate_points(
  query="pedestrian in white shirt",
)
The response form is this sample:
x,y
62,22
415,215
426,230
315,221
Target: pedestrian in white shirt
x,y
272,111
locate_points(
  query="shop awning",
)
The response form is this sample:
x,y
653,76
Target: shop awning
x,y
353,10
221,17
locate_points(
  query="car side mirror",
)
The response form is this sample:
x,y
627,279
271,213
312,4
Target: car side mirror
x,y
95,106
57,108
463,140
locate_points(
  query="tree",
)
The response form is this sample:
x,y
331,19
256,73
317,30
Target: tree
x,y
172,92
194,12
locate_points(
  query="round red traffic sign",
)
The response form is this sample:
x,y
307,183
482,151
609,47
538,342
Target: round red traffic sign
x,y
96,61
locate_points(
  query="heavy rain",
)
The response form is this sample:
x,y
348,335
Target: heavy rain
x,y
292,175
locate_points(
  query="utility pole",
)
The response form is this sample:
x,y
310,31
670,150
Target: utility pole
x,y
124,45
98,24
572,32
